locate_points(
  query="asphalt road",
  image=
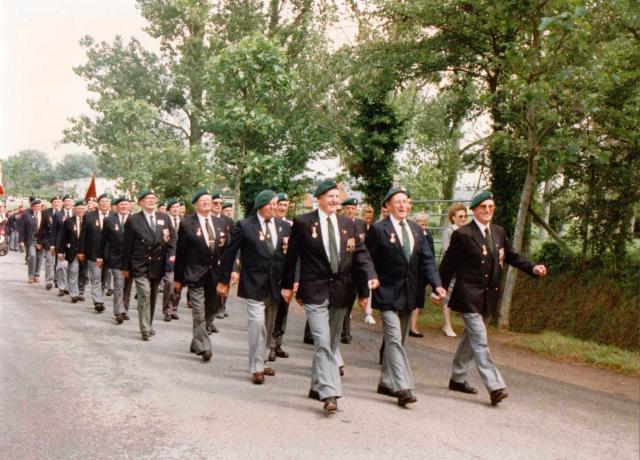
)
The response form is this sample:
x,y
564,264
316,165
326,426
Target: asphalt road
x,y
74,385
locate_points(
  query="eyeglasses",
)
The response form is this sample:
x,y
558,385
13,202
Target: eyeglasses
x,y
216,202
488,207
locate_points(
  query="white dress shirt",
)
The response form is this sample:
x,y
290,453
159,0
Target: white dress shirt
x,y
324,227
482,227
272,229
203,224
398,229
148,216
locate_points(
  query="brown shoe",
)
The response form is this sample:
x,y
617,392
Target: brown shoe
x,y
269,371
280,353
498,395
258,378
330,404
272,355
206,355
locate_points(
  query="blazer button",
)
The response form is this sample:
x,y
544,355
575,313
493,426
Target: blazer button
x,y
486,289
496,289
149,258
482,262
486,276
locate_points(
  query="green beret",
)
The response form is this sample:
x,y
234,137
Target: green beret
x,y
350,202
35,201
393,191
120,199
198,193
480,197
227,204
216,195
91,198
263,198
282,196
79,203
172,202
325,186
67,197
53,198
104,195
145,193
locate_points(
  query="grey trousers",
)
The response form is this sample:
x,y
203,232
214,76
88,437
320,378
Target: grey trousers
x,y
325,325
280,324
121,291
261,316
62,268
199,297
107,279
34,260
14,241
475,346
49,266
73,272
147,291
95,278
170,299
396,371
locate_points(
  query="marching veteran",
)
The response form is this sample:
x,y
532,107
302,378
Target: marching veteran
x,y
262,240
331,255
148,241
475,258
201,242
404,263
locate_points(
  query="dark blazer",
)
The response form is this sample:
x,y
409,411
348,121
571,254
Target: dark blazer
x,y
57,225
478,274
70,242
260,273
111,242
317,284
46,229
195,262
92,235
145,251
402,282
28,230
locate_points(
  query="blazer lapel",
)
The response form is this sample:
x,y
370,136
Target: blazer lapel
x,y
480,240
394,238
258,230
146,225
315,222
199,231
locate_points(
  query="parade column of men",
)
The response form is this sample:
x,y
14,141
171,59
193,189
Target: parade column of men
x,y
322,258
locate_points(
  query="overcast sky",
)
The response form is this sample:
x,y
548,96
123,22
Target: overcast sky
x,y
39,47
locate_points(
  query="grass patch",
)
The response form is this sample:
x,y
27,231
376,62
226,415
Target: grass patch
x,y
572,349
431,318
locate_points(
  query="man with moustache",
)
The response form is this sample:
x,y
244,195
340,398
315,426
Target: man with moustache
x,y
69,249
475,258
62,266
148,241
201,243
404,262
331,256
262,241
93,225
110,255
44,239
29,231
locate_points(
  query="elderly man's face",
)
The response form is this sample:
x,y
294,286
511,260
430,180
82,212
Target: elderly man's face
x,y
174,210
148,203
269,209
67,203
283,207
329,201
123,207
104,204
80,210
36,207
484,211
349,211
227,212
216,205
398,206
204,205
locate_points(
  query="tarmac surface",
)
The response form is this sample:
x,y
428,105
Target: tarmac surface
x,y
73,385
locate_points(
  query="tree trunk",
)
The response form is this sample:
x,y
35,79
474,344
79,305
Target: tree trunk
x,y
546,209
236,188
453,168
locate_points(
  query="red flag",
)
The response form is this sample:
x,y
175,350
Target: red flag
x,y
91,191
1,180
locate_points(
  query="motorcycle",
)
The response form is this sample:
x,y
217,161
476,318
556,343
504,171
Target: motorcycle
x,y
4,244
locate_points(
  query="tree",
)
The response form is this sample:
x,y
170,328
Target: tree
x,y
76,165
28,173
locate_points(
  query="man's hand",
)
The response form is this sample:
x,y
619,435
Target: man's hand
x,y
125,273
374,283
61,257
22,244
172,259
177,286
235,276
441,292
222,289
363,302
99,263
540,270
80,257
52,250
286,294
38,246
436,299
295,287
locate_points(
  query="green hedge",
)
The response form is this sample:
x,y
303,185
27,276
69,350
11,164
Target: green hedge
x,y
586,302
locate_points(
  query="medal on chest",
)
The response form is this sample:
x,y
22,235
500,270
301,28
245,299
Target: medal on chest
x,y
484,250
198,232
314,231
261,236
392,238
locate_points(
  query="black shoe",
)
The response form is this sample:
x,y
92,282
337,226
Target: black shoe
x,y
220,316
145,337
341,369
99,307
498,395
405,397
385,391
280,353
462,387
211,329
174,316
313,394
60,293
206,355
330,404
272,355
153,332
226,315
81,298
346,339
416,334
167,318
48,286
109,292
308,340
125,317
119,319
74,299
192,350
